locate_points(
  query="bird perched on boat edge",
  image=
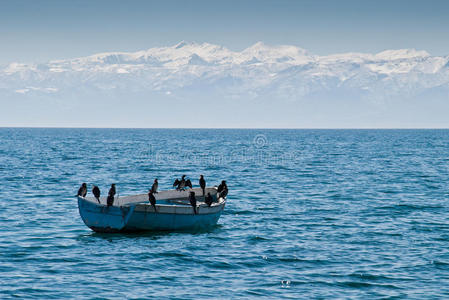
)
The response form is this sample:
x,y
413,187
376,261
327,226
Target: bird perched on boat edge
x,y
222,189
202,183
192,200
111,194
177,182
181,184
152,199
154,186
96,192
83,190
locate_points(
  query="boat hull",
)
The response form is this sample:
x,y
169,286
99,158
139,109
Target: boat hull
x,y
167,222
143,217
102,218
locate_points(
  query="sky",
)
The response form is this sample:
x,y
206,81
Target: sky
x,y
39,31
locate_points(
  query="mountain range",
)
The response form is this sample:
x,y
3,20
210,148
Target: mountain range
x,y
260,86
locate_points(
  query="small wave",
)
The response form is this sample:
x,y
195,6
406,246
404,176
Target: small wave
x,y
439,263
256,239
407,207
372,277
266,208
221,265
258,292
297,259
389,192
279,167
28,291
15,178
172,254
355,284
66,158
240,212
443,238
383,233
167,278
360,284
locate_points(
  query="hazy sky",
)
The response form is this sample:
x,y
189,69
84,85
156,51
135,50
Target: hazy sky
x,y
36,31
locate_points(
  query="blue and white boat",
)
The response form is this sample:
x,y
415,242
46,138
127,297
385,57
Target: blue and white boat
x,y
135,213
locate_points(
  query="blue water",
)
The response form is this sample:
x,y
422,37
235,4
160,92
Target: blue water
x,y
310,214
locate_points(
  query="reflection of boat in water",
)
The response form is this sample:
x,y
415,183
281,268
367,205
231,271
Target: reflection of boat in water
x,y
135,213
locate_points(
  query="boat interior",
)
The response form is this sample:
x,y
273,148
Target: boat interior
x,y
168,197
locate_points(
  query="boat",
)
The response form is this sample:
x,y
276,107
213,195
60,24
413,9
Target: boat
x,y
135,213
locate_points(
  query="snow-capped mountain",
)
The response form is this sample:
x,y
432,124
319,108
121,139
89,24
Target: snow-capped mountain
x,y
282,71
261,74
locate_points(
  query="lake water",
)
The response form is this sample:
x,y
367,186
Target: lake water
x,y
310,214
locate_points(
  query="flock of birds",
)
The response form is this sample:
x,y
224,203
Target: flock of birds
x,y
180,185
82,191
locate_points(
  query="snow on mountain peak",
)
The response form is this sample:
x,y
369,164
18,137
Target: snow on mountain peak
x,y
17,67
272,54
187,53
260,47
401,54
283,70
183,52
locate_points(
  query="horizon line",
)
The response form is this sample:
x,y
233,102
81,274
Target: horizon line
x,y
233,128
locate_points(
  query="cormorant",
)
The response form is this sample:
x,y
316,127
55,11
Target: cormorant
x,y
203,184
112,190
208,200
222,186
192,200
96,192
182,183
111,194
82,190
222,189
154,186
152,199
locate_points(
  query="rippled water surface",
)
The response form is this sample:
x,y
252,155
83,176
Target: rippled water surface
x,y
310,214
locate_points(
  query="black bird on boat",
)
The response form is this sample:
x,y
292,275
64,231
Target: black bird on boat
x,y
202,182
222,189
208,200
96,192
152,199
181,184
112,190
192,200
154,186
221,186
178,183
82,190
111,194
